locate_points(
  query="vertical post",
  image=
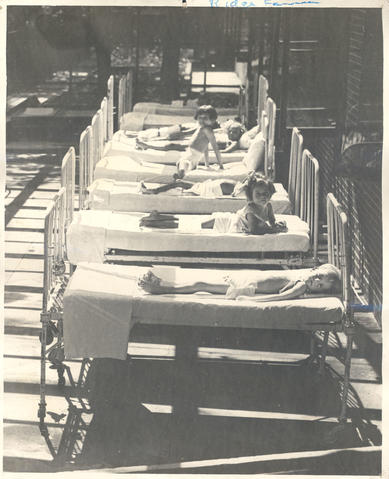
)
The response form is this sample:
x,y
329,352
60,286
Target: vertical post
x,y
283,99
136,76
276,21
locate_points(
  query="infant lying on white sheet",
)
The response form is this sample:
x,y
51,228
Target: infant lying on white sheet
x,y
271,285
207,189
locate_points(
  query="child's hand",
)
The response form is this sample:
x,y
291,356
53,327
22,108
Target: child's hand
x,y
280,226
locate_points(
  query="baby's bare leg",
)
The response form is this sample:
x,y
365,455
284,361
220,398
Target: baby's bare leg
x,y
155,285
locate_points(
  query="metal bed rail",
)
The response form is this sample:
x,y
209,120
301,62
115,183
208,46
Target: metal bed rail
x,y
110,107
85,166
125,95
339,255
309,207
104,117
270,109
68,177
294,183
55,278
263,89
97,125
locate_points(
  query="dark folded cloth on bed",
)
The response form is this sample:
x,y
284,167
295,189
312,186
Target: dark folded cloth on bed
x,y
158,220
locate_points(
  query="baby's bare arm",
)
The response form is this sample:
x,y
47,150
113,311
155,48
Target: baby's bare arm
x,y
293,293
212,139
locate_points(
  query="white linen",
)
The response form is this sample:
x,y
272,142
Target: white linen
x,y
102,302
126,196
122,231
121,145
126,168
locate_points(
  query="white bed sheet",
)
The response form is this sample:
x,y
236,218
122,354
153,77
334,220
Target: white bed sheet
x,y
166,109
121,145
125,196
125,168
92,232
102,303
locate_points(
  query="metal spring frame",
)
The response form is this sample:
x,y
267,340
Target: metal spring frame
x,y
125,95
263,89
339,255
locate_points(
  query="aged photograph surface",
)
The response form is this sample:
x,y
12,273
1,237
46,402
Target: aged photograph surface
x,y
193,240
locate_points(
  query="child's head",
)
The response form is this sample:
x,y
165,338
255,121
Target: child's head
x,y
326,278
206,115
258,189
234,131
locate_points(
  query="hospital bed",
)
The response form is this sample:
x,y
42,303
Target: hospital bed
x,y
95,234
92,314
108,194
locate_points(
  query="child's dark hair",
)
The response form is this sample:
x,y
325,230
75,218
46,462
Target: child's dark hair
x,y
206,110
254,179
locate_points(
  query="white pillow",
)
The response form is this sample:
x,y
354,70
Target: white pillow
x,y
255,157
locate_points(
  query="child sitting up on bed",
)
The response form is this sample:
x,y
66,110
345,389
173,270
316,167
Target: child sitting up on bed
x,y
256,217
271,285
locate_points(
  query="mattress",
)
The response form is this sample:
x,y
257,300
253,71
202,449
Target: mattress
x,y
125,196
126,168
162,109
92,232
120,145
136,120
102,303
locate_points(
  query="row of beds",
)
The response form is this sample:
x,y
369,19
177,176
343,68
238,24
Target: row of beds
x,y
95,254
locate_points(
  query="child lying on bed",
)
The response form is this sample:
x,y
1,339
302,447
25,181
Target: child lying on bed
x,y
227,141
271,285
256,217
207,188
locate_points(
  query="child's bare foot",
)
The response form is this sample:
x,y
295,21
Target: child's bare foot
x,y
151,283
143,188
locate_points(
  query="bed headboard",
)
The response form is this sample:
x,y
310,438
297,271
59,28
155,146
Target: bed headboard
x,y
97,125
294,183
125,94
85,175
68,177
338,244
271,115
110,107
309,205
54,246
104,117
263,88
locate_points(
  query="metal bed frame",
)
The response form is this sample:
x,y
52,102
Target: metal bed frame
x,y
308,212
55,282
263,90
125,95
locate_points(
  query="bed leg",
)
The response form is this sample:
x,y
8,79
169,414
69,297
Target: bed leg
x,y
323,353
42,403
346,382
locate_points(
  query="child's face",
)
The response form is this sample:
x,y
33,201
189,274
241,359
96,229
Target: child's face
x,y
319,283
204,120
261,195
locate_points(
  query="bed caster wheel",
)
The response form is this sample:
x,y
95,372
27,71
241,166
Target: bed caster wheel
x,y
49,337
61,381
59,268
56,356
